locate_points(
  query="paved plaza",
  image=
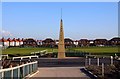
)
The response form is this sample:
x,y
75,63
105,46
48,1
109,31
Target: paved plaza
x,y
71,72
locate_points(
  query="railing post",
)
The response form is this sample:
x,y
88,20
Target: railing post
x,y
11,72
23,71
111,60
102,69
37,66
86,60
98,62
18,72
28,69
89,61
2,74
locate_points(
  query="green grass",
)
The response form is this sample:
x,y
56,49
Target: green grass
x,y
98,49
27,51
24,51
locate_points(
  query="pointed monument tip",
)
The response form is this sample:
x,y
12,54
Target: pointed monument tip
x,y
61,19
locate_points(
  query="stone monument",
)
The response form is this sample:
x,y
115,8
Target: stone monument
x,y
61,45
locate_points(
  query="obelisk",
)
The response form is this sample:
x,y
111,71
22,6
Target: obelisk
x,y
61,45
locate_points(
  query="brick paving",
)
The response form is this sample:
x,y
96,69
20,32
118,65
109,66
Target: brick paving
x,y
60,72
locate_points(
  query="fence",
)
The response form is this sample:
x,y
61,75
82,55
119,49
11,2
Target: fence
x,y
30,57
98,59
95,60
19,72
3,56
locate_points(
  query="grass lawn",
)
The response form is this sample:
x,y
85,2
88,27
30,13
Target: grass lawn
x,y
27,51
24,51
98,49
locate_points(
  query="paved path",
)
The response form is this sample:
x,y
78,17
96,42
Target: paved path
x,y
60,72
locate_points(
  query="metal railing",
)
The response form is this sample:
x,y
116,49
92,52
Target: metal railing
x,y
92,58
30,57
2,56
19,72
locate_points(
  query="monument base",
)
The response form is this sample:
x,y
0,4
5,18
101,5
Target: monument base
x,y
61,55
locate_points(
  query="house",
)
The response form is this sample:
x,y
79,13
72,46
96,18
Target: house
x,y
4,42
91,43
48,42
9,40
100,42
30,42
68,42
12,42
39,42
21,41
76,42
56,42
16,42
114,41
83,42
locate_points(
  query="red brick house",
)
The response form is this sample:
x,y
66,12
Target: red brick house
x,y
83,42
48,42
114,41
4,42
30,42
68,42
100,42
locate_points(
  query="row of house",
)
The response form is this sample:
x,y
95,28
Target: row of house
x,y
54,43
83,42
11,42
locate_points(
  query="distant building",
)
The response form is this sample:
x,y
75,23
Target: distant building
x,y
39,42
68,42
30,42
48,42
20,41
100,42
4,42
76,42
84,42
114,41
12,42
91,43
56,42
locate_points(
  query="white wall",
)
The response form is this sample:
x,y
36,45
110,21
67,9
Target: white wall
x,y
21,42
17,43
12,43
76,43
